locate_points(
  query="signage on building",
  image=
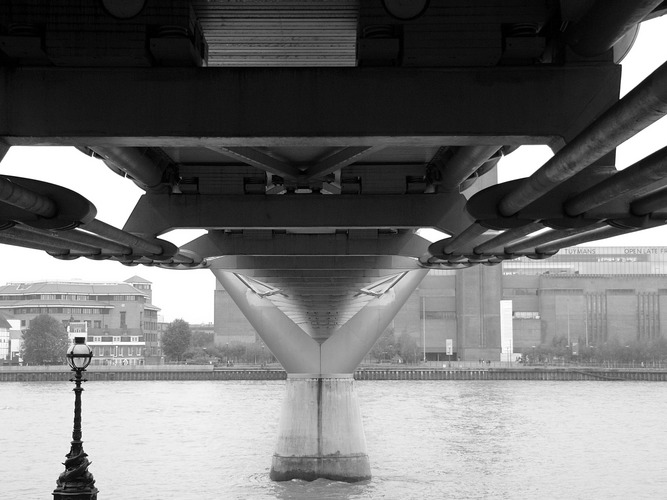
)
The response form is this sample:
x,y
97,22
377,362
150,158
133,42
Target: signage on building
x,y
449,346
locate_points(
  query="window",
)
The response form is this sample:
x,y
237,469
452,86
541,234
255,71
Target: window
x,y
97,324
134,339
123,324
116,340
97,339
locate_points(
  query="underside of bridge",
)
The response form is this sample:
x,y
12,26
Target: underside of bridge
x,y
311,139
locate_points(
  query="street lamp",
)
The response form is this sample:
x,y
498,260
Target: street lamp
x,y
76,483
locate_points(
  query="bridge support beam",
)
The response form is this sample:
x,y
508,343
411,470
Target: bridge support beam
x,y
321,432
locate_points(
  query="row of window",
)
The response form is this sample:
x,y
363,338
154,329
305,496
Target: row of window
x,y
60,310
150,325
57,296
116,339
96,323
124,361
117,351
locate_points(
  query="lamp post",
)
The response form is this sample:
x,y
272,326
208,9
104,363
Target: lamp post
x,y
76,483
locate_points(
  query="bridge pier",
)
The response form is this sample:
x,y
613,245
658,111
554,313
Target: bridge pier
x,y
321,432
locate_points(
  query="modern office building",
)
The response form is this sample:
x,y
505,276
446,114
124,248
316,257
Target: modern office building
x,y
588,295
118,319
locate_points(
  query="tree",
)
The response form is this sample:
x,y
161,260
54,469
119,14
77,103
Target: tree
x,y
45,341
176,339
202,339
408,348
386,348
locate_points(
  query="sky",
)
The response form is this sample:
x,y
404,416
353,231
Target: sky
x,y
188,294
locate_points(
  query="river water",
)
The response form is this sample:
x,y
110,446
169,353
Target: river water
x,y
426,439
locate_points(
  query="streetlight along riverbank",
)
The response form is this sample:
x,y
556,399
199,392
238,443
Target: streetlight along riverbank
x,y
76,482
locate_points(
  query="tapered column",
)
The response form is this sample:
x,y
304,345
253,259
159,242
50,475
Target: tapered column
x,y
321,431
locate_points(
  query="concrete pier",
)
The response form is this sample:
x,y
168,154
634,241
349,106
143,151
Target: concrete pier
x,y
321,433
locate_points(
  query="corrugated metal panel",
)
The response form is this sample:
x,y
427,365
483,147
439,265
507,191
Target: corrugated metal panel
x,y
223,179
383,179
270,33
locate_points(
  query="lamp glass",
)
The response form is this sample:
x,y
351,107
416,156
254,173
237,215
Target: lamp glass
x,y
79,354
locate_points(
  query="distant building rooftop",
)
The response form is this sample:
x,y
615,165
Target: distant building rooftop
x,y
138,279
23,288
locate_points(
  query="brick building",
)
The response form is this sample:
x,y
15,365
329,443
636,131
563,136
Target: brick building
x,y
118,319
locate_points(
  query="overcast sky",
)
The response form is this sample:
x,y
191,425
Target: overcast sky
x,y
188,294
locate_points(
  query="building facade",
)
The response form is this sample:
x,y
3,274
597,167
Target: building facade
x,y
118,319
587,295
230,325
5,327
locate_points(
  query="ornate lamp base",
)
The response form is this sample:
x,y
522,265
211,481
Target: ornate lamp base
x,y
76,483
85,494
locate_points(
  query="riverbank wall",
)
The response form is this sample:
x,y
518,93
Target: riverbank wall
x,y
208,372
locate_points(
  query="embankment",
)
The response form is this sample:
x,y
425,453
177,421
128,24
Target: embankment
x,y
207,372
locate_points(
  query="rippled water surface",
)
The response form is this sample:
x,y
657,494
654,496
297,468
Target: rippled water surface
x,y
431,439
